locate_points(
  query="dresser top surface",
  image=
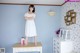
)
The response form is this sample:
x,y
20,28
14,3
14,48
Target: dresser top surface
x,y
30,44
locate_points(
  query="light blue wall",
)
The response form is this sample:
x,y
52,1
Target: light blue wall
x,y
12,24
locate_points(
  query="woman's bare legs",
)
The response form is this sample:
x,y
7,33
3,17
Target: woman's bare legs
x,y
35,40
26,41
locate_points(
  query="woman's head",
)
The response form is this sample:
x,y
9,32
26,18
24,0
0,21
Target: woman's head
x,y
32,8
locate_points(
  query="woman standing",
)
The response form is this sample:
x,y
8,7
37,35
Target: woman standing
x,y
30,28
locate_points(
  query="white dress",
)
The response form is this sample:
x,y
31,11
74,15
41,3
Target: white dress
x,y
30,28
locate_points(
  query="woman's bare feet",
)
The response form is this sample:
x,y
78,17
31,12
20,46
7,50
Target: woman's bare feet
x,y
26,41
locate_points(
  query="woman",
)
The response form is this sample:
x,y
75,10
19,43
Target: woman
x,y
30,28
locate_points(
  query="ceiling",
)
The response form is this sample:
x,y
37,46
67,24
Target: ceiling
x,y
55,2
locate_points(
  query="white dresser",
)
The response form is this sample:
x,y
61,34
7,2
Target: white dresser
x,y
2,50
62,46
27,48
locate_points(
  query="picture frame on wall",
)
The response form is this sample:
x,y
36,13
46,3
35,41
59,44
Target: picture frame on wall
x,y
73,14
70,17
67,23
74,21
67,13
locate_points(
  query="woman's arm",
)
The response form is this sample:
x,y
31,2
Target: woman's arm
x,y
28,18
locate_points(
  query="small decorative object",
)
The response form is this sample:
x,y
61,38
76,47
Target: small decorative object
x,y
51,13
22,41
65,34
2,50
57,32
70,17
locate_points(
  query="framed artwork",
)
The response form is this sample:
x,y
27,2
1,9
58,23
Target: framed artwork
x,y
73,14
70,17
74,21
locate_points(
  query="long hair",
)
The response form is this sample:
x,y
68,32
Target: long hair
x,y
32,7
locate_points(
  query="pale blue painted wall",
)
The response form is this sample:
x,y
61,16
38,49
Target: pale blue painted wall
x,y
12,24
